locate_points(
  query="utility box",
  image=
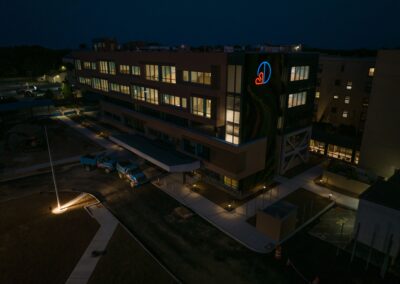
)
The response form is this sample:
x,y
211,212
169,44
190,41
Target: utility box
x,y
278,220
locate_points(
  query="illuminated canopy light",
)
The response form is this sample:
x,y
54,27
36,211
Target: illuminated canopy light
x,y
263,73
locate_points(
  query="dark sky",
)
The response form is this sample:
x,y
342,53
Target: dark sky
x,y
318,23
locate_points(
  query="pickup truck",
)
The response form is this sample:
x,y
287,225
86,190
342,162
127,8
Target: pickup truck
x,y
136,179
100,161
125,167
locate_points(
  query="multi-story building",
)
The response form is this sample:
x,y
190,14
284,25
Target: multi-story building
x,y
380,149
341,103
244,115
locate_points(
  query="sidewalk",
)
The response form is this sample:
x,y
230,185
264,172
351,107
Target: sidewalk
x,y
86,132
86,265
234,223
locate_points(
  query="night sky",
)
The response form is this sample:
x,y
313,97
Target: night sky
x,y
317,23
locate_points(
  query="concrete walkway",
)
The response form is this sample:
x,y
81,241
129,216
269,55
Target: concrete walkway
x,y
88,133
86,265
234,223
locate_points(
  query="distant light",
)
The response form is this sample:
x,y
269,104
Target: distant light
x,y
264,187
63,68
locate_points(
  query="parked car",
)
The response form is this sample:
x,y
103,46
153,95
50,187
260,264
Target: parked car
x,y
136,179
100,161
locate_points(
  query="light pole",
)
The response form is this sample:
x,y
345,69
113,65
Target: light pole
x,y
52,169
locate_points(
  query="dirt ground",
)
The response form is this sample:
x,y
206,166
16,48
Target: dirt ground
x,y
134,263
37,246
193,249
64,143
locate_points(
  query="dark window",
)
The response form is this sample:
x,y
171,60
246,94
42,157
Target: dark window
x,y
333,110
342,68
320,68
337,82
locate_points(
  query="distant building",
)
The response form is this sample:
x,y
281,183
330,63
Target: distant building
x,y
245,115
105,44
341,103
53,77
380,150
378,217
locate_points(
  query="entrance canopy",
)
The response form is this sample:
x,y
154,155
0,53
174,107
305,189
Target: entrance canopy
x,y
157,153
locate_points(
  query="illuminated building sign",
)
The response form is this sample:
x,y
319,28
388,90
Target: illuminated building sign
x,y
263,73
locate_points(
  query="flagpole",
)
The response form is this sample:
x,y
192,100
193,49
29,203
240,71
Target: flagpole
x,y
52,169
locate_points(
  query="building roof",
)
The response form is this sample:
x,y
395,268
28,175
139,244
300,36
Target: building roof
x,y
25,105
157,153
385,193
280,209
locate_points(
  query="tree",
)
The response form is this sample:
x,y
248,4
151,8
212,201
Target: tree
x,y
66,90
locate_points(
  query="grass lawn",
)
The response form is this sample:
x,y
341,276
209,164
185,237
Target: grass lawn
x,y
127,262
37,246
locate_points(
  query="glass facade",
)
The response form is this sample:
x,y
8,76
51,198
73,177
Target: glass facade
x,y
234,79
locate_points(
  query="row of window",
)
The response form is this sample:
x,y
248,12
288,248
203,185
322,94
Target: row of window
x,y
298,73
107,67
174,101
197,77
232,128
297,99
334,151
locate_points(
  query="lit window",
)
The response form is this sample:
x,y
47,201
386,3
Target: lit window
x,y
103,67
197,77
124,69
230,182
171,100
145,94
317,94
125,89
185,76
135,70
232,127
317,147
168,74
111,67
340,153
87,65
114,87
345,114
349,85
93,66
201,106
152,72
184,102
335,97
371,71
297,99
347,100
298,73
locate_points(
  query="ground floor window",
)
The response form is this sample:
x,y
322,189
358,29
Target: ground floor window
x,y
340,153
317,147
230,182
356,157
